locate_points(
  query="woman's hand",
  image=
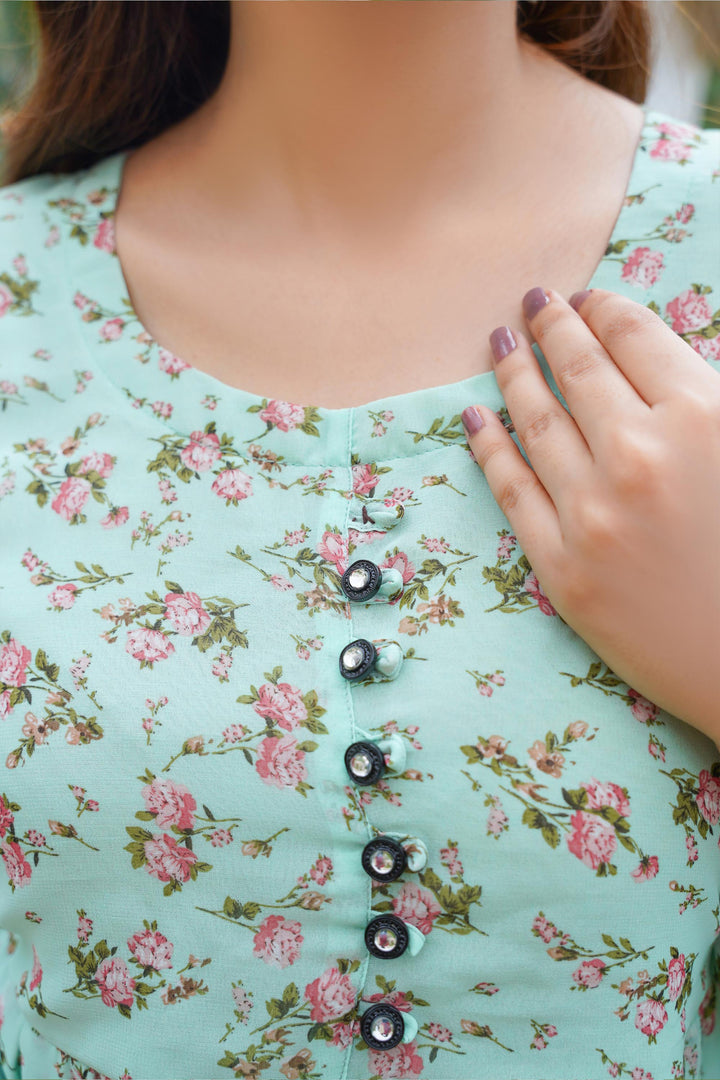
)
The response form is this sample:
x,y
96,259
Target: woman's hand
x,y
619,515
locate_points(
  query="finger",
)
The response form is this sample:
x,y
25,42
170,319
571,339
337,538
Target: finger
x,y
651,354
516,489
550,437
596,391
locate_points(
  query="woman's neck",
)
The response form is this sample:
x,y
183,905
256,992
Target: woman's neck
x,y
355,117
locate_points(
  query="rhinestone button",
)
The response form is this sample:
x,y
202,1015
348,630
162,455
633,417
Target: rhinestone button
x,y
365,762
383,858
361,580
386,937
357,659
382,1026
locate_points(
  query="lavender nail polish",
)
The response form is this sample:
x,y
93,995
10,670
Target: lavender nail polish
x,y
533,301
472,419
577,298
502,342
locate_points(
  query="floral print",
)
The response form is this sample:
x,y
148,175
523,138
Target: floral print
x,y
179,837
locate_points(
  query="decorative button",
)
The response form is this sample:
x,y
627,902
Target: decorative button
x,y
383,858
382,1026
386,937
357,659
361,580
365,762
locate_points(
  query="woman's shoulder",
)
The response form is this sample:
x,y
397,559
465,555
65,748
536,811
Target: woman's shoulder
x,y
43,218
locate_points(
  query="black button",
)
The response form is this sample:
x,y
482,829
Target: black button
x,y
361,580
382,1026
383,858
386,937
357,659
365,762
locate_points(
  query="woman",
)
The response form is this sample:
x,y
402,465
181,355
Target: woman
x,y
324,759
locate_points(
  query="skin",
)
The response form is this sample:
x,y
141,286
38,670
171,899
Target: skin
x,y
373,183
618,510
381,184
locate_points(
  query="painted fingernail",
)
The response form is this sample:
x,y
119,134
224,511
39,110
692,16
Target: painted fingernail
x,y
472,419
533,300
578,297
502,342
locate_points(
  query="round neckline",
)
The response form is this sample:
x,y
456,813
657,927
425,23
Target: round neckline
x,y
423,419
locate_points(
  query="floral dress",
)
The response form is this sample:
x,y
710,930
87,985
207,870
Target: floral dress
x,y
303,776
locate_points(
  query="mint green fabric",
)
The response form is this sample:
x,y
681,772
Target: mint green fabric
x,y
185,896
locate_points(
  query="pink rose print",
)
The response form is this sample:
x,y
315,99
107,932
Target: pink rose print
x,y
115,982
321,870
331,995
535,589
104,238
643,267
14,660
186,612
151,949
439,1032
343,1034
278,941
708,797
671,150
112,329
676,976
71,497
6,300
167,860
6,818
708,348
593,840
36,977
172,804
18,868
282,703
401,1061
590,973
689,311
148,645
333,547
171,365
650,1017
417,906
117,515
280,762
283,414
402,563
364,480
676,131
62,596
99,463
201,452
646,869
707,1011
599,795
231,485
395,997
642,709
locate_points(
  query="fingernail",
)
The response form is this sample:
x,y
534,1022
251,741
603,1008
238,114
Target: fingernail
x,y
472,419
502,342
577,298
533,300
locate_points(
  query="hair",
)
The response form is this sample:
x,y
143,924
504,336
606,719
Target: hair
x,y
112,74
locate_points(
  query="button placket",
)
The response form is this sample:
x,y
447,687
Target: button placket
x,y
384,858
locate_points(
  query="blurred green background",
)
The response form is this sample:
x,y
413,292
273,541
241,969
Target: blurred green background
x,y
685,68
